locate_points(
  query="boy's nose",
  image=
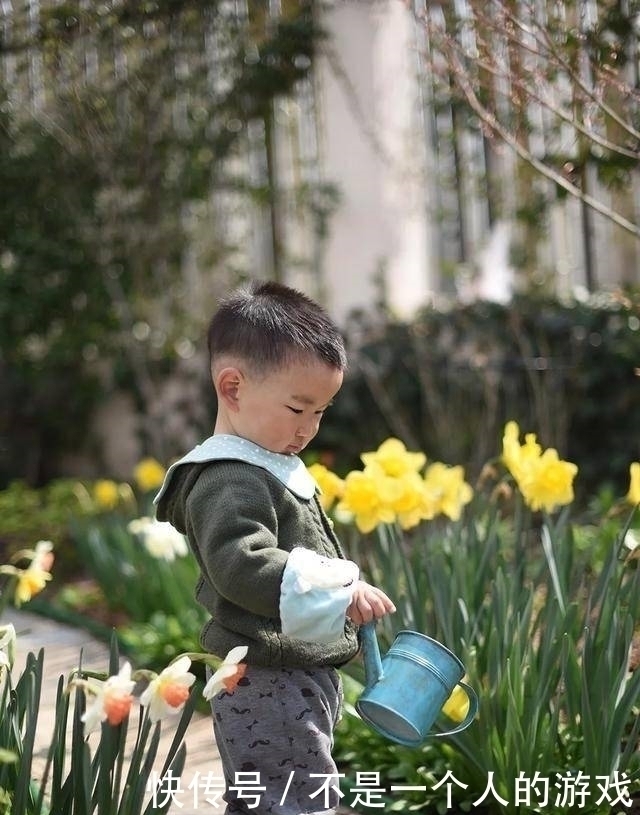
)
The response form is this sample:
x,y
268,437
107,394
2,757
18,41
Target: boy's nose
x,y
308,429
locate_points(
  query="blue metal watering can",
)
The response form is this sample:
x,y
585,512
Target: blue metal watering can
x,y
405,692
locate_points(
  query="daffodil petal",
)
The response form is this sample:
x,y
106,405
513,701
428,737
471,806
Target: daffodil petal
x,y
235,655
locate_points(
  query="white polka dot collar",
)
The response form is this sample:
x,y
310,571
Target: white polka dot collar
x,y
290,470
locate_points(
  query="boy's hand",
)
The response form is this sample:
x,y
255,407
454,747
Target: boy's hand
x,y
368,603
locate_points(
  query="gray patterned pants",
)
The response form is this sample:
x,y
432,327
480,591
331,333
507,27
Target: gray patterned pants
x,y
275,734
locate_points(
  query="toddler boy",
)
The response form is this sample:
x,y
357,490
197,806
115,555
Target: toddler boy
x,y
272,573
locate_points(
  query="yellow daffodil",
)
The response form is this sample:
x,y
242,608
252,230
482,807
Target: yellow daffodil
x,y
228,674
149,474
30,582
457,705
394,458
549,482
544,479
112,700
331,485
633,496
409,501
106,494
34,578
447,490
368,496
167,693
511,445
518,458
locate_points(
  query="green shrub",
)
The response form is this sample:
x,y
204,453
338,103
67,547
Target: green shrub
x,y
448,380
46,513
162,637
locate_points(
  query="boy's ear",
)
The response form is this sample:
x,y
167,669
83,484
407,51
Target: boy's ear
x,y
227,384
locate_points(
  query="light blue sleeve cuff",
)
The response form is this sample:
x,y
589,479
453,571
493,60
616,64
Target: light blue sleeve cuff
x,y
315,594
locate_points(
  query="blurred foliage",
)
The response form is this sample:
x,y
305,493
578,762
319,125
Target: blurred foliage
x,y
117,558
31,514
52,304
109,160
448,381
103,550
162,637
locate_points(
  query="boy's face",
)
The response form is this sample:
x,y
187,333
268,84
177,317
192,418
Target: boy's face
x,y
282,411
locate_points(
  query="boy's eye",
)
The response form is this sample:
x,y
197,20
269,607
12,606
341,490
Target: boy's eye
x,y
295,410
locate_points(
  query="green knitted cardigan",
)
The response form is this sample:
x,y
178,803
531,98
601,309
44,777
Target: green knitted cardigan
x,y
241,522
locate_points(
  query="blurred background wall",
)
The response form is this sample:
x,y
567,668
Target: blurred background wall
x,y
388,158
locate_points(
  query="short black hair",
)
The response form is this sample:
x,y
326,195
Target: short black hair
x,y
268,324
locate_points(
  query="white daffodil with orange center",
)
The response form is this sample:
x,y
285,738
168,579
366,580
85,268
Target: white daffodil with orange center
x,y
167,693
228,674
112,698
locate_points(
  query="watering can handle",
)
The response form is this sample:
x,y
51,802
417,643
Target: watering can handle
x,y
371,653
471,713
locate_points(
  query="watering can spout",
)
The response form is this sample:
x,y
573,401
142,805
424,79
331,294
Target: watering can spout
x,y
373,672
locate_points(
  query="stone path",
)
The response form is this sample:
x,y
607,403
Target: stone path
x,y
62,646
